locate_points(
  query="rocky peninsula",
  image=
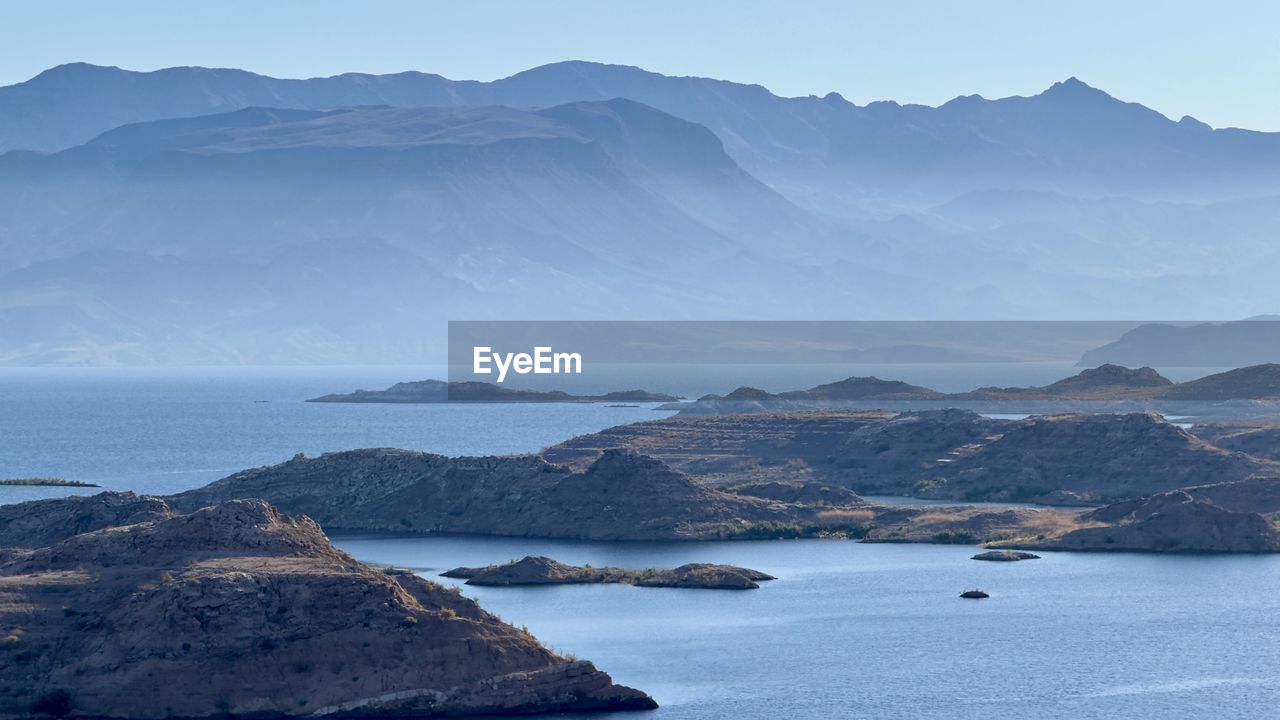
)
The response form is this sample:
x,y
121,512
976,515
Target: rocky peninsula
x,y
539,570
240,610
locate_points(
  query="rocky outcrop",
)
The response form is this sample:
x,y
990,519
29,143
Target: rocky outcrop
x,y
538,570
438,391
1005,556
239,610
620,496
1168,522
1082,459
43,522
1078,459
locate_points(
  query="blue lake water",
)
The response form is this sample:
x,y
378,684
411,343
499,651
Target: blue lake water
x,y
848,630
166,430
878,631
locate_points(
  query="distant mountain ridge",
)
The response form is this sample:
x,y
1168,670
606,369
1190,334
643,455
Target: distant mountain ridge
x,y
208,216
1071,137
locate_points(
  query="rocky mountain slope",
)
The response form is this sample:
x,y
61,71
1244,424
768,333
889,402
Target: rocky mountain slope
x,y
239,610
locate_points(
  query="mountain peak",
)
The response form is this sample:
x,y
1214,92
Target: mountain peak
x,y
1074,87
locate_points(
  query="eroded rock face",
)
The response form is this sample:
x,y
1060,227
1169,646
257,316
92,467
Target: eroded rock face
x,y
43,522
238,609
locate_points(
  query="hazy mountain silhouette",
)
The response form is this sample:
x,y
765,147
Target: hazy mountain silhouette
x,y
823,152
200,215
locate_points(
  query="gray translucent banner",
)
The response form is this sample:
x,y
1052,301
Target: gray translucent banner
x,y
1028,364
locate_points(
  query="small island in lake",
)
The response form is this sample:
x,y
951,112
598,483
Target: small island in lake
x,y
45,482
539,570
1005,556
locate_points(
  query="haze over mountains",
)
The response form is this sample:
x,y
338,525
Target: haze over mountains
x,y
198,215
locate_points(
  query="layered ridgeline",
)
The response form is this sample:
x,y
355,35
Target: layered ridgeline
x,y
185,215
239,610
1071,138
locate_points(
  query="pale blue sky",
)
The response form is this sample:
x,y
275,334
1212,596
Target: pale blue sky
x,y
1218,61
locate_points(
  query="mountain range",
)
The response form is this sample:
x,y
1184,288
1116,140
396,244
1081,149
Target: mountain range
x,y
199,215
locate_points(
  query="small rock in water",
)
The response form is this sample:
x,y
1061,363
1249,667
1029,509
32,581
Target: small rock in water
x,y
1005,556
974,594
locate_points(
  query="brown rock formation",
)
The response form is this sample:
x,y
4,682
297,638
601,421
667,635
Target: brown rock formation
x,y
240,610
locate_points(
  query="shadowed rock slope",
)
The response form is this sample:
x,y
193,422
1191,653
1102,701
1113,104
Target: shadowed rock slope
x,y
239,610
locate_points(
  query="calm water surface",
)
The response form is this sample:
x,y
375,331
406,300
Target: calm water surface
x,y
877,631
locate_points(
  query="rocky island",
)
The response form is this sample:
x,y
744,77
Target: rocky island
x,y
539,570
45,482
240,610
1005,556
438,391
